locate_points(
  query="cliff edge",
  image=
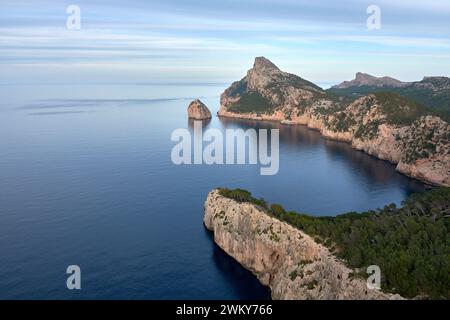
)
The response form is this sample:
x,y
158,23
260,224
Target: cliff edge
x,y
282,257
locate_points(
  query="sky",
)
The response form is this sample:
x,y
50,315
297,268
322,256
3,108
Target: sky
x,y
159,41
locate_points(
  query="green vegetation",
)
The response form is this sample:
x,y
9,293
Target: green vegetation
x,y
398,109
325,111
410,244
433,102
424,141
418,150
277,209
291,80
367,131
238,88
311,285
300,83
241,195
293,275
341,122
252,101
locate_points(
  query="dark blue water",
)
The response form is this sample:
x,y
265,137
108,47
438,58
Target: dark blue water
x,y
86,178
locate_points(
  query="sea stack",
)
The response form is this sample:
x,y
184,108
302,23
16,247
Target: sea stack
x,y
198,110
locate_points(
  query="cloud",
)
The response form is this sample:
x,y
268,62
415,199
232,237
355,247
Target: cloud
x,y
398,41
214,38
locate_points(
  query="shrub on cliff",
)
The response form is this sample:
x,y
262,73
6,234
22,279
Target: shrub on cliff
x,y
251,102
398,109
277,210
241,195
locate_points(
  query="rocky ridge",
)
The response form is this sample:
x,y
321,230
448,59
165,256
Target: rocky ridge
x,y
432,83
435,84
282,257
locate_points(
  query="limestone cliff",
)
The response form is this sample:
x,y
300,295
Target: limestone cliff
x,y
384,125
282,257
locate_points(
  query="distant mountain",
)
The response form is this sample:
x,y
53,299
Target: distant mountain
x,y
366,80
431,92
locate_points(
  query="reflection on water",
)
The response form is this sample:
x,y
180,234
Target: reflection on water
x,y
205,123
299,138
241,281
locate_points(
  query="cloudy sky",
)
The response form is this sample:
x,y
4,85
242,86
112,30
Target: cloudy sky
x,y
136,41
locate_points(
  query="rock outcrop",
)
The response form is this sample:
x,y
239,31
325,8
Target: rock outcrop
x,y
282,257
384,125
198,110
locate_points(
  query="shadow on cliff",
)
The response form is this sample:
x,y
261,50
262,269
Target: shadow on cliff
x,y
239,279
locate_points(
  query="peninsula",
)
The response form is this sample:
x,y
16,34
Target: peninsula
x,y
385,124
299,256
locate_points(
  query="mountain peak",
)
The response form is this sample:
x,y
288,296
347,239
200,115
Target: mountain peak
x,y
262,63
363,76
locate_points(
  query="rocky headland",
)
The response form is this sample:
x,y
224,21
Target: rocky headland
x,y
383,124
282,257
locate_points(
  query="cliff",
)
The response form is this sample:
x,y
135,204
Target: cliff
x,y
385,125
282,257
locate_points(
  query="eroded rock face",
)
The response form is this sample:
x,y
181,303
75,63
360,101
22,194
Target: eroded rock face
x,y
198,110
420,148
426,148
282,257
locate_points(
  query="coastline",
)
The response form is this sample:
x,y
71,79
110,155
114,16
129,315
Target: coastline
x,y
317,125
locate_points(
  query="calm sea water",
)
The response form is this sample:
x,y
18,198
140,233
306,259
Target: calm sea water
x,y
86,179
